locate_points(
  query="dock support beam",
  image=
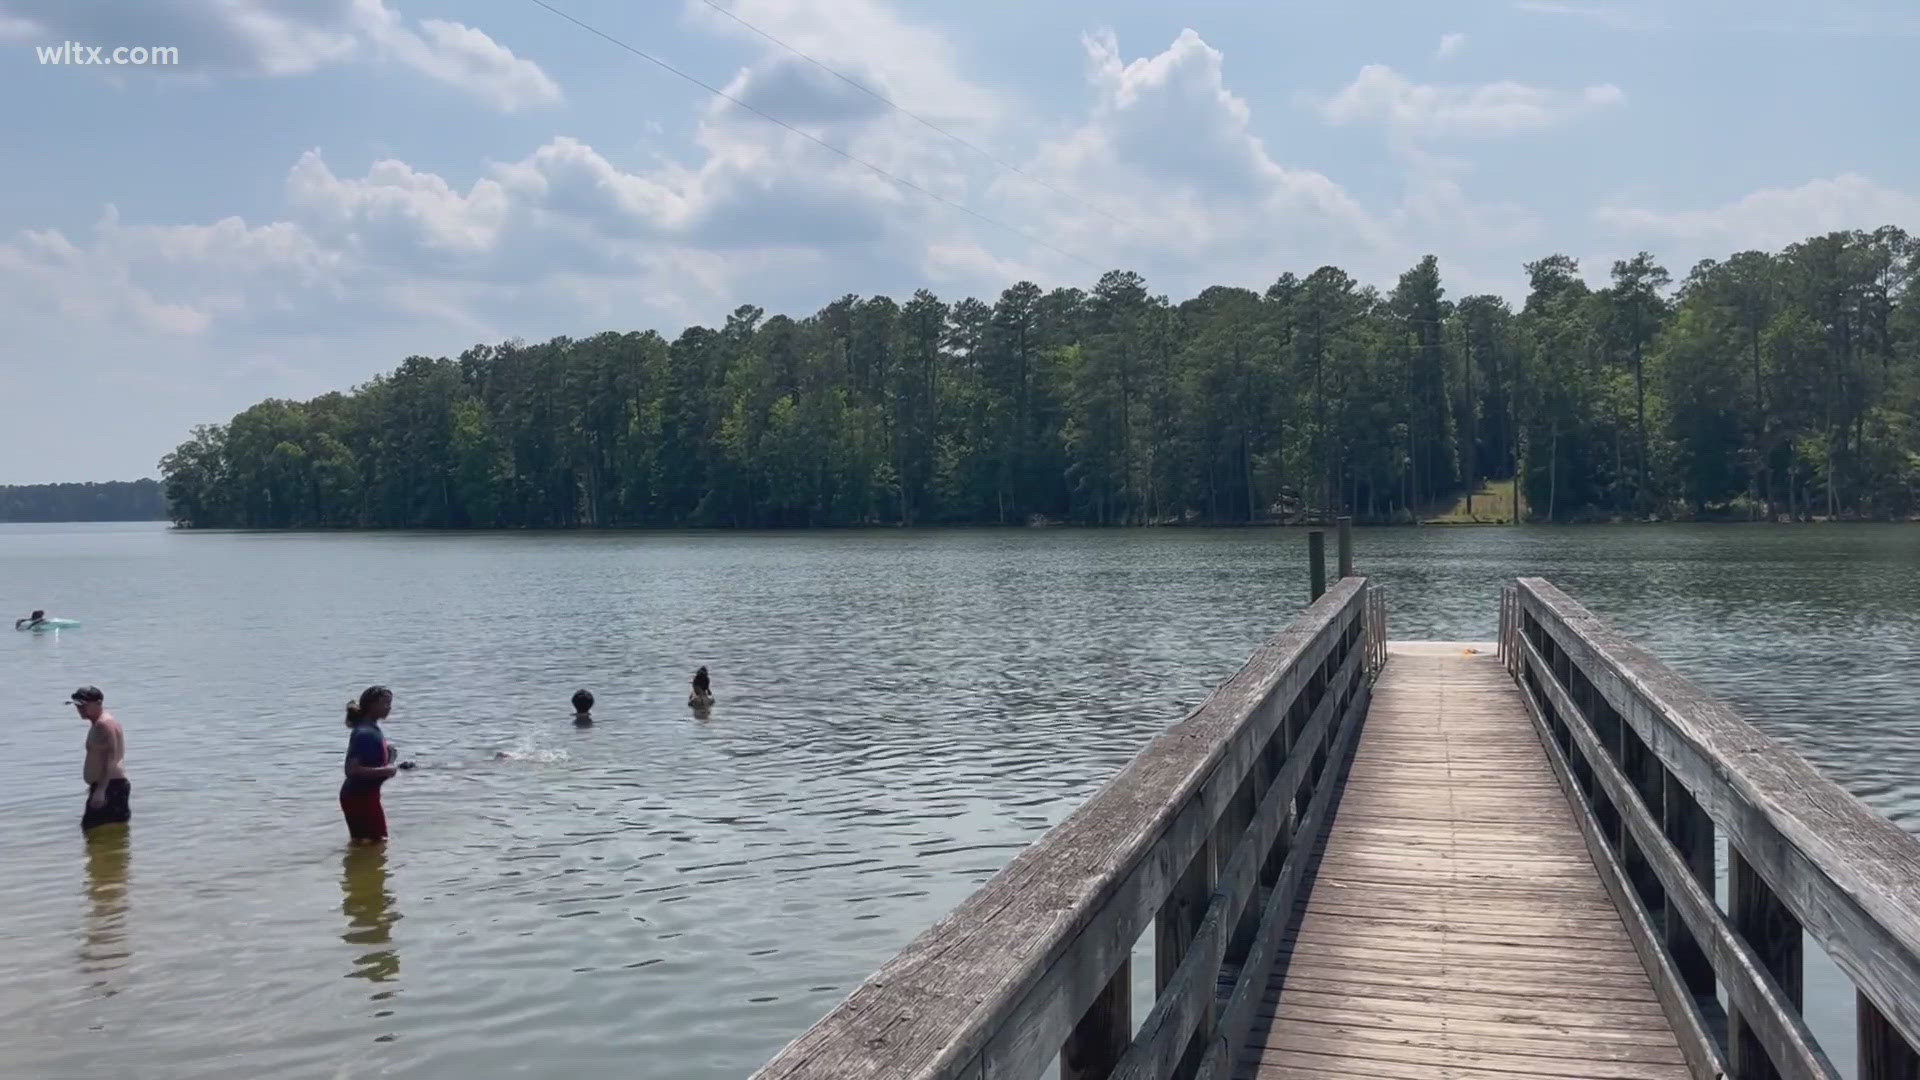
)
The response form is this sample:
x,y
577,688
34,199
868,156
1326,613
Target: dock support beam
x,y
1773,934
1316,563
1884,1054
1102,1035
1345,544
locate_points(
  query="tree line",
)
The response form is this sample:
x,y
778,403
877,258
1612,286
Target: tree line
x,y
117,500
1768,385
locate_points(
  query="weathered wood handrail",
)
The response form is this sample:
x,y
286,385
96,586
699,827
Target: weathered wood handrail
x,y
1204,836
1660,766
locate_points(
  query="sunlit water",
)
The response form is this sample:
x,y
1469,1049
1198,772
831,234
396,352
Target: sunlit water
x,y
663,895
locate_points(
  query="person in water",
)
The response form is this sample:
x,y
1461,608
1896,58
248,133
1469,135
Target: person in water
x,y
702,695
370,763
583,706
105,769
30,621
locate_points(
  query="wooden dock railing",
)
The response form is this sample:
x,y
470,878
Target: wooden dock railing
x,y
1195,838
1664,772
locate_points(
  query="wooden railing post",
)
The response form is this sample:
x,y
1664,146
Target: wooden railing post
x,y
1316,564
1276,759
1173,931
1229,833
1690,831
1344,543
1884,1055
1102,1035
1773,934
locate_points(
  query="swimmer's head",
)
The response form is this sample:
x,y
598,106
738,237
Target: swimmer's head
x,y
582,701
38,614
89,700
374,705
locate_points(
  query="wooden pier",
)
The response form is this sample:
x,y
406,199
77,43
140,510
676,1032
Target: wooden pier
x,y
1361,859
1455,922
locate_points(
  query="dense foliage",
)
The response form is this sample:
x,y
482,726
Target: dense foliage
x,y
1767,384
118,500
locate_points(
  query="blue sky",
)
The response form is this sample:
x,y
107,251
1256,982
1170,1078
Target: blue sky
x,y
322,187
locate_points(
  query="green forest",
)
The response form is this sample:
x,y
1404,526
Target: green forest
x,y
116,500
1765,386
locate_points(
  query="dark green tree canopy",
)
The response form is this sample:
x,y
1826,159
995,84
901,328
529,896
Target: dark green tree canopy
x,y
1767,384
116,500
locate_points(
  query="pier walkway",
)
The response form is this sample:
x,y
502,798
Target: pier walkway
x,y
1362,859
1455,924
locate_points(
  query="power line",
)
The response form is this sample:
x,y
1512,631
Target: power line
x,y
930,125
810,137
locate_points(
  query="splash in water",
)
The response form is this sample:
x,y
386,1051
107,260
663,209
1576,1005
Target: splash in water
x,y
529,750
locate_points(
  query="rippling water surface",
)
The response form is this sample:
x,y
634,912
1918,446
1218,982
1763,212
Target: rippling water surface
x,y
663,895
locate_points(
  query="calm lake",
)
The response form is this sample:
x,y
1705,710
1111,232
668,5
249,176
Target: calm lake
x,y
664,896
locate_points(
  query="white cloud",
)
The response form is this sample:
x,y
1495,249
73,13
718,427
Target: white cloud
x,y
561,229
399,207
1775,217
1382,95
459,56
1450,45
869,40
802,93
171,279
566,176
1170,149
278,38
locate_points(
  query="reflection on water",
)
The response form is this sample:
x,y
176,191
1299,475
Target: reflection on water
x,y
368,907
675,895
104,950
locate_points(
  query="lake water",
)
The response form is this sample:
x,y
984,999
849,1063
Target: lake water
x,y
660,895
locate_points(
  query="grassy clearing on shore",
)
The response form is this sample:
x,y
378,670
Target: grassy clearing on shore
x,y
1492,504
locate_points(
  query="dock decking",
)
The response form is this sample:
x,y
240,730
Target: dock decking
x,y
1456,926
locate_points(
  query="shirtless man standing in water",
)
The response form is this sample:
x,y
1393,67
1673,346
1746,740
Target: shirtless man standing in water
x,y
105,770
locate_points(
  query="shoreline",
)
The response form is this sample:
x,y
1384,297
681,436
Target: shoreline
x,y
993,527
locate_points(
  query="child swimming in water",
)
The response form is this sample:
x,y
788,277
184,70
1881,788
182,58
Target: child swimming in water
x,y
583,706
702,696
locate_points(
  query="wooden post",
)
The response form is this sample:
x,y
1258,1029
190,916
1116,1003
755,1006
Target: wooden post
x,y
1103,1034
1344,543
1316,563
1232,832
1773,934
1276,759
1173,931
1690,831
1884,1055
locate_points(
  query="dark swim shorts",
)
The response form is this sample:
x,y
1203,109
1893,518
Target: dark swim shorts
x,y
365,818
112,811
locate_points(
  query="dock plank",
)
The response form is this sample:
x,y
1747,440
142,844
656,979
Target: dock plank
x,y
1456,927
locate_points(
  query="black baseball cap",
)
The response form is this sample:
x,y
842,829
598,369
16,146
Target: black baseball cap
x,y
87,693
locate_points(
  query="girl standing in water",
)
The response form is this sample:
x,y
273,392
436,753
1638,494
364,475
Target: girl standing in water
x,y
369,764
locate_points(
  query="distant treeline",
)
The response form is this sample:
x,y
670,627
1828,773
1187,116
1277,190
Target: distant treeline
x,y
1765,385
116,500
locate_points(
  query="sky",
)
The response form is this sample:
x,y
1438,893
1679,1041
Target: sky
x,y
320,188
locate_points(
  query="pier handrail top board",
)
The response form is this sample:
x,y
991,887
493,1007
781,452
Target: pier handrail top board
x,y
1850,876
996,979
